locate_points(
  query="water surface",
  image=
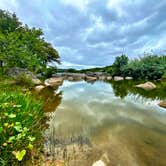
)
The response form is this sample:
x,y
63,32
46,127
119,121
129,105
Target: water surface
x,y
101,121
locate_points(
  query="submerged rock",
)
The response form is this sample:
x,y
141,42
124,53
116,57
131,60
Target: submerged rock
x,y
162,104
147,86
54,81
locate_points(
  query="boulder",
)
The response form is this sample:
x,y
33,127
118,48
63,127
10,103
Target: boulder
x,y
102,77
16,71
70,78
128,78
147,86
54,81
90,79
118,78
109,78
36,81
162,104
38,88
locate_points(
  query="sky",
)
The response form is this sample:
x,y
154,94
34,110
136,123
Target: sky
x,y
91,33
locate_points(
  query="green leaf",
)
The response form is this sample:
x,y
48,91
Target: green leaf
x,y
11,139
18,128
30,146
20,154
31,138
11,115
17,106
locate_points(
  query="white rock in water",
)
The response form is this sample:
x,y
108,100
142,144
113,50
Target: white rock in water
x,y
99,163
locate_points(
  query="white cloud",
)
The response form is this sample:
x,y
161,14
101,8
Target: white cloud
x,y
78,4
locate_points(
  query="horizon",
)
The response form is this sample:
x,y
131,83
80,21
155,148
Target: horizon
x,y
91,33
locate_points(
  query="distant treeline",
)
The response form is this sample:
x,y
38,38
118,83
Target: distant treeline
x,y
149,66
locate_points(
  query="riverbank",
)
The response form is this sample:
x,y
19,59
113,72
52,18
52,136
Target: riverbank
x,y
21,124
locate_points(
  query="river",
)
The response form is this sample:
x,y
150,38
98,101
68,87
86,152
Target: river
x,y
105,124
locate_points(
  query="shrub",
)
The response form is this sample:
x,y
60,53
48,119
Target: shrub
x,y
148,67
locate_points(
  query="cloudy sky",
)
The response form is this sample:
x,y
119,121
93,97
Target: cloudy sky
x,y
90,33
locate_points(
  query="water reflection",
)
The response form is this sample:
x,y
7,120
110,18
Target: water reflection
x,y
122,88
92,123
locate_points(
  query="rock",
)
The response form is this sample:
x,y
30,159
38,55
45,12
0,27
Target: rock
x,y
147,86
102,77
162,104
128,78
54,81
70,78
99,163
90,79
36,81
117,78
109,78
38,88
16,71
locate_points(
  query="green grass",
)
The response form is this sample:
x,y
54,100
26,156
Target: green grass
x,y
20,123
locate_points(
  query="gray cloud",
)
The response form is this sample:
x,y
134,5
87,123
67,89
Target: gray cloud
x,y
94,32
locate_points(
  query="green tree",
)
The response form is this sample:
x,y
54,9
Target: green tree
x,y
21,46
119,63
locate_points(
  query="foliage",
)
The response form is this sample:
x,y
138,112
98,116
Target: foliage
x,y
48,72
150,67
21,46
118,64
19,125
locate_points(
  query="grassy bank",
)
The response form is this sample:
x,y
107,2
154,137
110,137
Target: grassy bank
x,y
20,124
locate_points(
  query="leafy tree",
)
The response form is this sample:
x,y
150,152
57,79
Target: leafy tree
x,y
21,46
119,63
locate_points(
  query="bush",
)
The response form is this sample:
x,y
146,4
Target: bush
x,y
150,67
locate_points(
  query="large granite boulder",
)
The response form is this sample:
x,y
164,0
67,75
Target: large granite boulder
x,y
147,86
16,72
162,104
118,78
54,81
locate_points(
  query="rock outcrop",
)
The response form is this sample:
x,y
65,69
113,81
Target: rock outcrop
x,y
147,86
16,72
54,81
